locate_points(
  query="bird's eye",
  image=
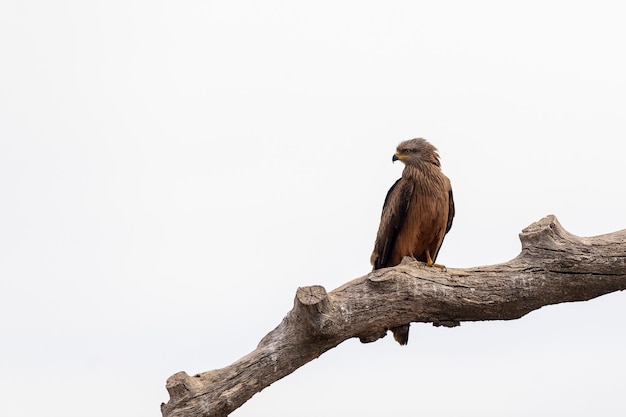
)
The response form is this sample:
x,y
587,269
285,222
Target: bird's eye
x,y
406,151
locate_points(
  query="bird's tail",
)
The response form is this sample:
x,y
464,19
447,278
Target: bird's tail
x,y
401,334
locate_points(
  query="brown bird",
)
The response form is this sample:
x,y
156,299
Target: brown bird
x,y
417,213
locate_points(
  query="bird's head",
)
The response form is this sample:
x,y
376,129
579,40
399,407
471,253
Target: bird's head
x,y
416,152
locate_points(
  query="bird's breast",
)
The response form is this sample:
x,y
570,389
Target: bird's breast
x,y
425,224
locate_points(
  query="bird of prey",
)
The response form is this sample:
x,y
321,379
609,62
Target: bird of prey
x,y
417,213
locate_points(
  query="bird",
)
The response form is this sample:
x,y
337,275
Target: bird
x,y
417,213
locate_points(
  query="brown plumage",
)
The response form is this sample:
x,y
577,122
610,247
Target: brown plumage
x,y
417,213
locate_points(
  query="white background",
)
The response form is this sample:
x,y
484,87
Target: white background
x,y
171,172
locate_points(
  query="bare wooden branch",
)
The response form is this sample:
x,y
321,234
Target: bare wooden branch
x,y
553,267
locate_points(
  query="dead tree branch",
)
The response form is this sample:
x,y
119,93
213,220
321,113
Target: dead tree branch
x,y
553,267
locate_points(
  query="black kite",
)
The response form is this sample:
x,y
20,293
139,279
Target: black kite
x,y
417,213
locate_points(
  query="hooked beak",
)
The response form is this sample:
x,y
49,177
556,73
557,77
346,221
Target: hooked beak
x,y
395,157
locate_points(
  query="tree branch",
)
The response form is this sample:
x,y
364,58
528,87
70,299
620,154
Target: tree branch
x,y
553,267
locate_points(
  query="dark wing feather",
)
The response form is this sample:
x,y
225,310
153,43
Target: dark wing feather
x,y
391,220
450,211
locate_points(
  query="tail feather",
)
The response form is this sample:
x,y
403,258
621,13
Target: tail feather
x,y
401,334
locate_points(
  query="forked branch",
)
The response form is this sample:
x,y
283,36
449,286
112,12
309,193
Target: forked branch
x,y
553,267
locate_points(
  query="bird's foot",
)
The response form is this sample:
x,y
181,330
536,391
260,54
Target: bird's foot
x,y
430,262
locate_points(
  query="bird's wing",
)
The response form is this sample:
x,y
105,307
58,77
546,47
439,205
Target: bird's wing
x,y
393,216
450,211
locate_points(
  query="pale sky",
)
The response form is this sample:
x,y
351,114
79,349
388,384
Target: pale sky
x,y
171,172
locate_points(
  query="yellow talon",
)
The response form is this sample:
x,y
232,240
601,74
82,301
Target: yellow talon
x,y
430,262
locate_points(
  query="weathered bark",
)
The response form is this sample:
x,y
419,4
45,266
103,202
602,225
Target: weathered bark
x,y
553,267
